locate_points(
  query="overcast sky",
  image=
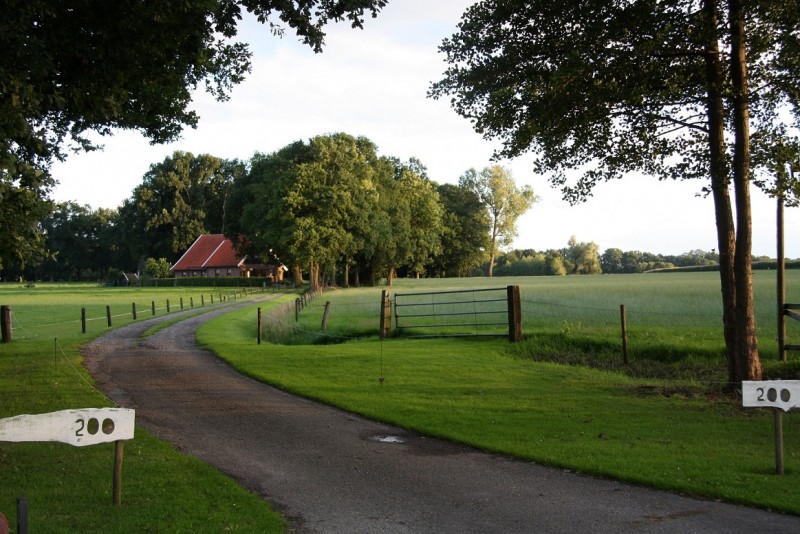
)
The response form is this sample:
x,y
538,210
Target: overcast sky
x,y
374,83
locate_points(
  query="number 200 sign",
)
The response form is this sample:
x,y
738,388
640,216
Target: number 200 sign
x,y
87,426
782,394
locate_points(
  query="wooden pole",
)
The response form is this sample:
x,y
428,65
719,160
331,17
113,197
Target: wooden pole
x,y
778,440
117,484
83,320
325,317
781,283
386,314
5,319
108,315
514,314
22,515
153,306
133,310
296,310
167,305
623,318
259,326
181,302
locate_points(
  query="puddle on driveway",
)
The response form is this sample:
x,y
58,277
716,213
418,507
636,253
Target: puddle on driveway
x,y
387,439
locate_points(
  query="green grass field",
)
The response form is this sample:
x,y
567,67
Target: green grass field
x,y
69,488
674,432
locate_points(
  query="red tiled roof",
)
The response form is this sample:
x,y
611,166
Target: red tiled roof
x,y
208,251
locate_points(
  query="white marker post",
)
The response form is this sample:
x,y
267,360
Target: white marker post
x,y
88,426
781,396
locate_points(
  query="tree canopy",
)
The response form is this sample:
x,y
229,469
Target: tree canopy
x,y
673,88
503,201
72,68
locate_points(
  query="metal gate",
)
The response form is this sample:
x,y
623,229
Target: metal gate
x,y
457,313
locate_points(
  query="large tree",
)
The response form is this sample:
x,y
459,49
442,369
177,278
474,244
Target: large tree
x,y
503,201
311,204
71,68
465,233
179,199
673,88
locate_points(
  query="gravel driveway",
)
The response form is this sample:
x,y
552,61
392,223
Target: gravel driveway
x,y
329,471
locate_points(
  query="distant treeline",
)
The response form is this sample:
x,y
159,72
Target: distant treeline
x,y
584,258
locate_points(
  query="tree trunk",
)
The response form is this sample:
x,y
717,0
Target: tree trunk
x,y
297,274
718,170
491,263
747,361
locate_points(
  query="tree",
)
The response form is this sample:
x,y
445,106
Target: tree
x,y
672,88
156,268
179,199
74,240
584,257
611,260
503,200
71,68
311,204
422,216
465,234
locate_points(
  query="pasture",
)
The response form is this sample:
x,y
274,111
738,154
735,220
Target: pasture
x,y
658,421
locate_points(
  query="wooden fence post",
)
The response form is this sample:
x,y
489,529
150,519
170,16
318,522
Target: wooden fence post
x,y
325,316
5,319
181,302
83,320
167,305
202,300
133,310
386,314
117,481
296,310
259,326
514,314
108,315
153,306
623,318
781,283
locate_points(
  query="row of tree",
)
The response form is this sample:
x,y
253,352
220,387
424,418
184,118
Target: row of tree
x,y
331,204
326,204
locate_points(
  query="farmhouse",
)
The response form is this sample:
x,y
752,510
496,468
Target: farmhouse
x,y
213,255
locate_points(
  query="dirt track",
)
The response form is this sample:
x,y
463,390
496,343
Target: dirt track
x,y
331,471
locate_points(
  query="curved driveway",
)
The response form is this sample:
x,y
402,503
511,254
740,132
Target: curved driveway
x,y
329,471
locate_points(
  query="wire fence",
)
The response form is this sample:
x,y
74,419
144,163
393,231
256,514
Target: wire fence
x,y
34,322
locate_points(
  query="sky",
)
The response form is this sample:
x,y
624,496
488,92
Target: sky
x,y
374,83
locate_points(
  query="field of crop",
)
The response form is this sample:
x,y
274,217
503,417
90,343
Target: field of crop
x,y
670,318
664,425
